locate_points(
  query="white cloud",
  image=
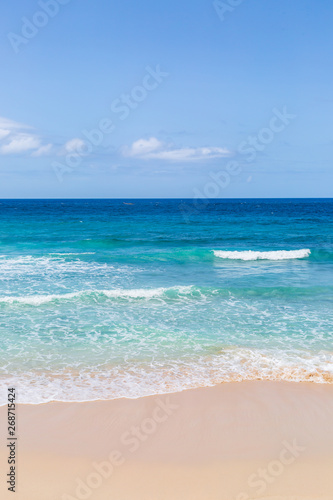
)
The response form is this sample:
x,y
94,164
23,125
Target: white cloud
x,y
144,147
74,145
153,149
20,143
43,150
3,133
11,125
15,138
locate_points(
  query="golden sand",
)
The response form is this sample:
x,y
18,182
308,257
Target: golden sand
x,y
249,440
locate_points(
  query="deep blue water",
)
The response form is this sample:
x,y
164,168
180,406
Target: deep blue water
x,y
108,298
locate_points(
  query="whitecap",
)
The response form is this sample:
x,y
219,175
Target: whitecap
x,y
256,255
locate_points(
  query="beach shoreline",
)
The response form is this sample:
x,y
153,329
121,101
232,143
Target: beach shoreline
x,y
238,440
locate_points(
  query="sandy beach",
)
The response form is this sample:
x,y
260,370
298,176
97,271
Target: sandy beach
x,y
248,440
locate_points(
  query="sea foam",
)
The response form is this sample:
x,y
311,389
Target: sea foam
x,y
256,255
118,293
138,379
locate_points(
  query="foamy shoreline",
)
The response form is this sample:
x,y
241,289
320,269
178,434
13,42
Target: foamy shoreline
x,y
134,380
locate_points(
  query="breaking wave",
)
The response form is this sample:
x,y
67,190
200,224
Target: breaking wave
x,y
165,294
255,255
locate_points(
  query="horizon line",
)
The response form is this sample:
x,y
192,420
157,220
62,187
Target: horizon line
x,y
177,198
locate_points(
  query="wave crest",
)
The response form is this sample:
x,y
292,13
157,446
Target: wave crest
x,y
256,255
118,293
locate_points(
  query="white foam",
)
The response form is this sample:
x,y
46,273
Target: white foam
x,y
29,265
256,255
37,300
135,293
73,253
136,379
146,293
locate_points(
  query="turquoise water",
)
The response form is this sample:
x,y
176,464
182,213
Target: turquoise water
x,y
101,299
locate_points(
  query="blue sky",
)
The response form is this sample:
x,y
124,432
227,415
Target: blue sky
x,y
166,99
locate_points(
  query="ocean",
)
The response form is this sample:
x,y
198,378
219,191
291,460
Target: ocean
x,y
103,299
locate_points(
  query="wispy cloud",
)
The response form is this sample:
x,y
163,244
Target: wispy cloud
x,y
153,149
43,150
16,138
74,145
